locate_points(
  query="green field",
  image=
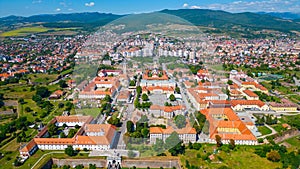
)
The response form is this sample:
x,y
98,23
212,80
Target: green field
x,y
294,142
25,31
217,67
88,111
264,130
168,59
33,29
143,59
241,157
278,128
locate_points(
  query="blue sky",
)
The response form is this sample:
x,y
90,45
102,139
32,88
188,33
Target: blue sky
x,y
33,7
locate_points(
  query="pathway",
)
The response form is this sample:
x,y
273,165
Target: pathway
x,y
273,132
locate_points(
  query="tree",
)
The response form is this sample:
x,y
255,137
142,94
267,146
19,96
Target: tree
x,y
132,83
52,129
63,84
144,119
21,101
1,100
172,97
177,90
28,109
80,166
158,146
43,92
107,98
62,135
70,151
180,121
130,126
172,140
37,98
145,97
218,140
177,149
145,132
71,133
273,156
230,82
61,105
231,144
139,90
76,126
92,166
66,167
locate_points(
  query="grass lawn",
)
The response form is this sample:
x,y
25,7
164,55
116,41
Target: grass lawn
x,y
242,157
294,142
143,59
88,111
25,31
168,59
36,29
264,130
278,127
16,91
68,71
42,78
173,66
217,67
11,146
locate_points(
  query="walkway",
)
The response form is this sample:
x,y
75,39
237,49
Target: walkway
x,y
273,132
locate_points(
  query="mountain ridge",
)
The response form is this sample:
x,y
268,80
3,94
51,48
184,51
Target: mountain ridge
x,y
199,17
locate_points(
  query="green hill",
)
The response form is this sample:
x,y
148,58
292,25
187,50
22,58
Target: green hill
x,y
221,19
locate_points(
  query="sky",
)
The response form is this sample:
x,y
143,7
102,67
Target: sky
x,y
35,7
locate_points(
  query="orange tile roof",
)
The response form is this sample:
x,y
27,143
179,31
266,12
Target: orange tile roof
x,y
247,102
28,146
235,92
203,71
62,119
155,77
233,122
59,92
151,88
170,109
250,93
169,130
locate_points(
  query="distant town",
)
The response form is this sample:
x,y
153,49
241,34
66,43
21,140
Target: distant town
x,y
77,101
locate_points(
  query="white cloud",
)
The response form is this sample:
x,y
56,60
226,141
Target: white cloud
x,y
195,7
58,9
90,4
255,6
185,5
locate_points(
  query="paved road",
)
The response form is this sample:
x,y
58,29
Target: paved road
x,y
128,114
184,95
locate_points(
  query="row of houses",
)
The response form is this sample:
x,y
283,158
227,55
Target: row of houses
x,y
89,136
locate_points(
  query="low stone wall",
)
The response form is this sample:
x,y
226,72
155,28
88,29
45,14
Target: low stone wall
x,y
151,163
101,163
286,135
